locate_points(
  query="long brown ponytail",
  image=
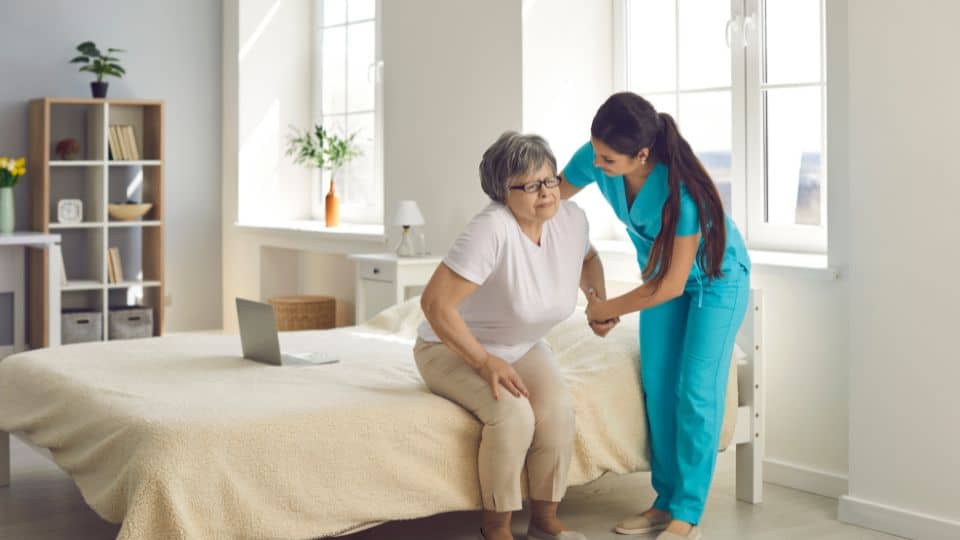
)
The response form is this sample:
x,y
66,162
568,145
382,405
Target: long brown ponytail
x,y
627,123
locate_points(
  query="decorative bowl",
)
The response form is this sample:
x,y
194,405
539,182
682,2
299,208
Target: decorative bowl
x,y
128,212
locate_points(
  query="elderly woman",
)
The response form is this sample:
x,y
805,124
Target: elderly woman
x,y
508,279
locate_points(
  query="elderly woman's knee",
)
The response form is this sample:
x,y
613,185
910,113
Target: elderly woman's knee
x,y
514,412
556,426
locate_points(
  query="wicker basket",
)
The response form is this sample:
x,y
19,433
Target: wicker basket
x,y
304,312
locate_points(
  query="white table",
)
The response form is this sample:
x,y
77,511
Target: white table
x,y
13,248
382,280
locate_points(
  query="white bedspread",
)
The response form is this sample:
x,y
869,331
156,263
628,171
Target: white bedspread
x,y
179,437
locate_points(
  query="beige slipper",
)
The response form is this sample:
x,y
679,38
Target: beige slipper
x,y
641,524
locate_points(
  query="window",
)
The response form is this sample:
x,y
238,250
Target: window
x,y
745,81
348,99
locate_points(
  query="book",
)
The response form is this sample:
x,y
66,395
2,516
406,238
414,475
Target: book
x,y
114,269
132,142
111,274
124,144
114,140
116,264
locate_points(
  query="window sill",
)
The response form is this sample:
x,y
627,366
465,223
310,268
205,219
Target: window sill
x,y
346,232
800,264
806,265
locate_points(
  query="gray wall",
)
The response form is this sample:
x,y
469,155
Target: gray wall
x,y
174,55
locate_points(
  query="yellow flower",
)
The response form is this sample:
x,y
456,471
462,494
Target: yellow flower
x,y
3,162
21,162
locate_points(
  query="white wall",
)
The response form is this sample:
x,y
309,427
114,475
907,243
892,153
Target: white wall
x,y
173,54
452,84
904,360
567,69
805,333
276,75
567,74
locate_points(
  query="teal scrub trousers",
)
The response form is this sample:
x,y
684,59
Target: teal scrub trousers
x,y
686,345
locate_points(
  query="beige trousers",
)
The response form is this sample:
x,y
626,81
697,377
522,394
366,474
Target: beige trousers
x,y
539,430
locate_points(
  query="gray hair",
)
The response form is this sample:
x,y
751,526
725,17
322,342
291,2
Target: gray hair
x,y
512,155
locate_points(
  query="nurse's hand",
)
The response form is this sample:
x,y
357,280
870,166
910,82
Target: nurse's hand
x,y
603,328
496,371
597,309
600,324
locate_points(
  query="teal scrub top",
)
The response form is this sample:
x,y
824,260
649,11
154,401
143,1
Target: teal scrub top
x,y
642,220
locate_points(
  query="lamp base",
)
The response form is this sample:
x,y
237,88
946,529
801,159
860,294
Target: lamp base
x,y
406,248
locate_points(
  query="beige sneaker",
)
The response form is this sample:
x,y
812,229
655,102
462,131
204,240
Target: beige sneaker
x,y
694,534
641,524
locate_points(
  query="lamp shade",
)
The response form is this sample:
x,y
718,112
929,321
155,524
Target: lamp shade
x,y
407,213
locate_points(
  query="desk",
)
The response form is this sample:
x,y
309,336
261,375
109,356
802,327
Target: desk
x,y
13,248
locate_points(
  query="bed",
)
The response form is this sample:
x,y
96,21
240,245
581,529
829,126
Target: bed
x,y
179,437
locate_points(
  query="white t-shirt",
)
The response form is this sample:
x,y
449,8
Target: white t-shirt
x,y
525,289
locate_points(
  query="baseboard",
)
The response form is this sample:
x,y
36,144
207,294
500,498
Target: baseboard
x,y
896,521
801,478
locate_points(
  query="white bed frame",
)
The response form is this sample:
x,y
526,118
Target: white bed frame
x,y
750,434
748,437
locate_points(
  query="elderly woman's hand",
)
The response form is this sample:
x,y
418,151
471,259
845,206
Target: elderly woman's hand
x,y
496,371
603,328
600,322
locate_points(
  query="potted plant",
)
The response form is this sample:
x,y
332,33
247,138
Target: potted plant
x,y
96,62
10,172
323,150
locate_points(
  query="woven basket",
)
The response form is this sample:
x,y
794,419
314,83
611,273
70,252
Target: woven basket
x,y
304,312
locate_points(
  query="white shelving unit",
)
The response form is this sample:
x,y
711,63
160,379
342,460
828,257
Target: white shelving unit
x,y
98,180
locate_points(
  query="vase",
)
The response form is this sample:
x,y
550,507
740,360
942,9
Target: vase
x,y
332,207
99,89
6,210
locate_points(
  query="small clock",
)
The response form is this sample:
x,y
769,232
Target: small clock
x,y
69,210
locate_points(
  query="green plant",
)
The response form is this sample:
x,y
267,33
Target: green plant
x,y
321,149
96,62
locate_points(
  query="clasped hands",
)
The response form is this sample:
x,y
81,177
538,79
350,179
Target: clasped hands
x,y
599,315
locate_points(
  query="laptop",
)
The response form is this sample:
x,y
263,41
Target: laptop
x,y
258,338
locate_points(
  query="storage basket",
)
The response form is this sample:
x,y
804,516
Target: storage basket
x,y
80,326
304,312
130,323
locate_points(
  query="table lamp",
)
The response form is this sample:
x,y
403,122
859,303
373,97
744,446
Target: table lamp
x,y
406,214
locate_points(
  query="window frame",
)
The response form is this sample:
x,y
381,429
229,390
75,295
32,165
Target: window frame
x,y
350,211
746,37
763,235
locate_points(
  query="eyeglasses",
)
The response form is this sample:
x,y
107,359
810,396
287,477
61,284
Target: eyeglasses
x,y
533,187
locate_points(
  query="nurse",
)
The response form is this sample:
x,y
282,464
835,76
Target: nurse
x,y
696,282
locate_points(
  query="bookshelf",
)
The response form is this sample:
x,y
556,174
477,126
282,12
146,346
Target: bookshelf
x,y
97,179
